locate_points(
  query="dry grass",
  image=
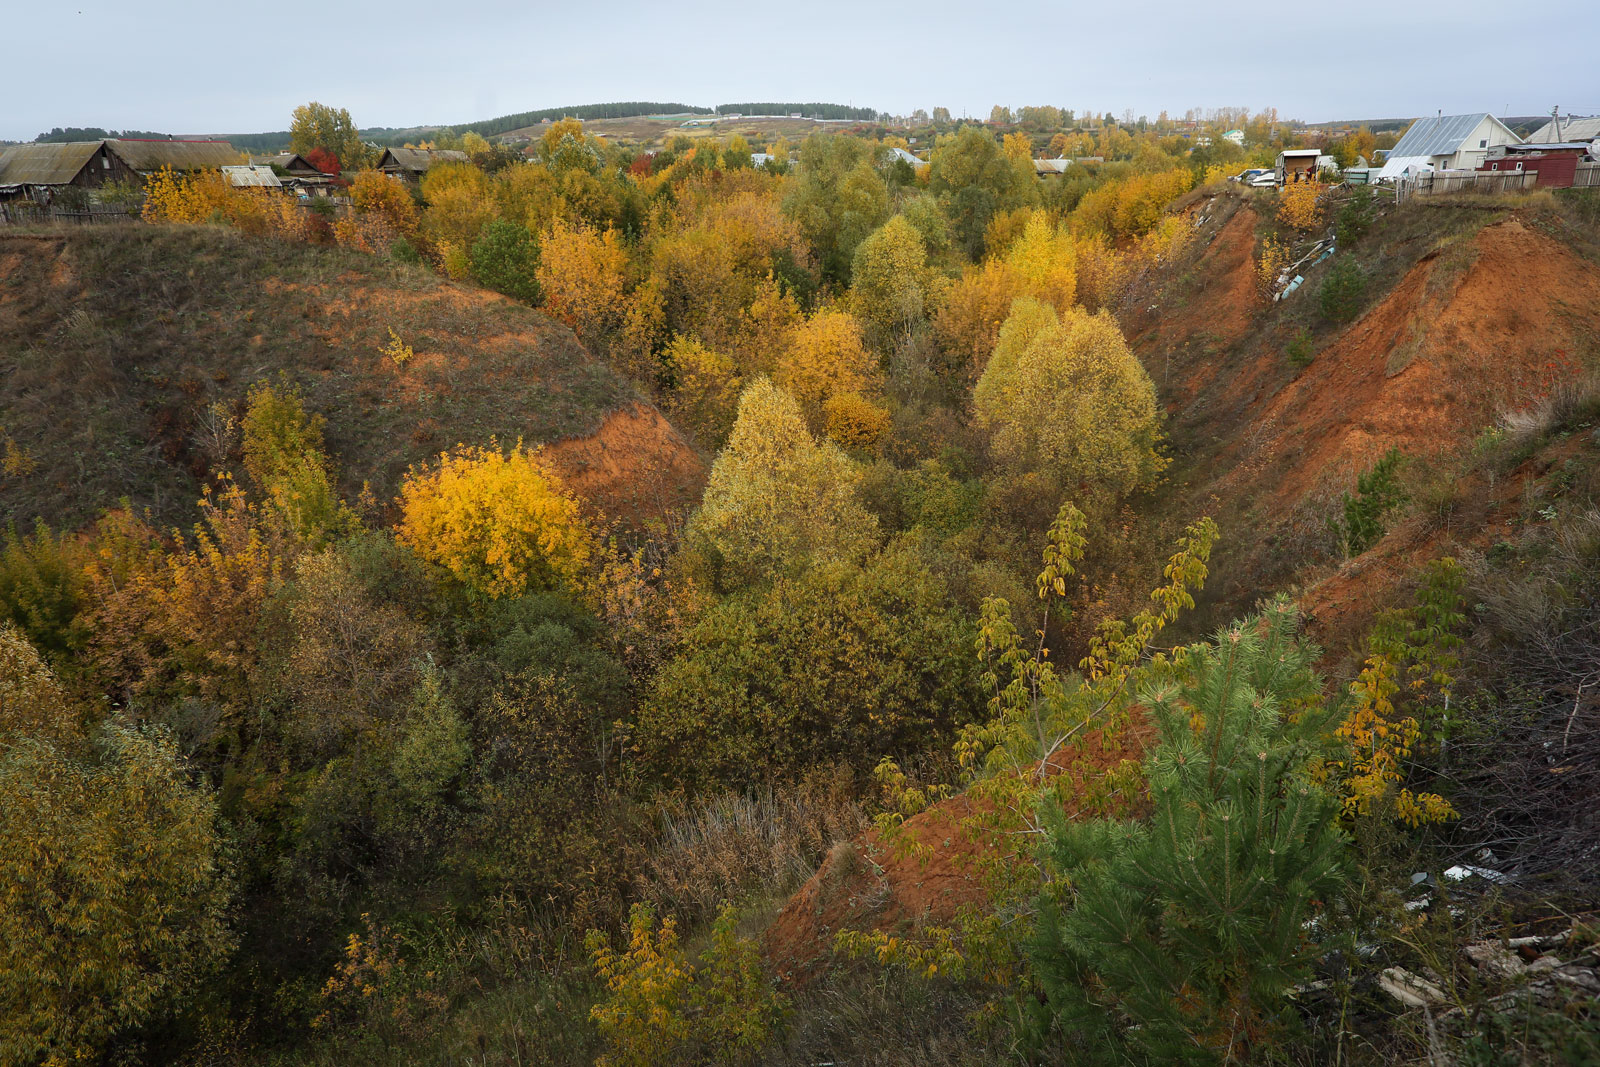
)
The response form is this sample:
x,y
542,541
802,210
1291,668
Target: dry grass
x,y
735,846
117,343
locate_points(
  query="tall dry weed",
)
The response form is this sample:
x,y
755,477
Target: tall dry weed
x,y
736,845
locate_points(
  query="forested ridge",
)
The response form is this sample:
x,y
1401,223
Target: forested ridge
x,y
623,606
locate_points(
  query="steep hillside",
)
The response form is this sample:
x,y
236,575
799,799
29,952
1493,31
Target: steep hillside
x,y
126,355
1473,311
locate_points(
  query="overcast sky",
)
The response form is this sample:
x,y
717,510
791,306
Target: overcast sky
x,y
200,66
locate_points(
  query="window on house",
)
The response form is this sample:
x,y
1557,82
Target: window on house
x,y
1484,143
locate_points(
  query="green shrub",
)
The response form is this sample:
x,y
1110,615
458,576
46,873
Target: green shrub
x,y
842,662
1301,350
662,1009
504,259
42,590
1377,493
1342,290
1355,217
1181,935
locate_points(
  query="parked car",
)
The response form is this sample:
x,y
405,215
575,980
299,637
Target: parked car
x,y
1248,176
1265,180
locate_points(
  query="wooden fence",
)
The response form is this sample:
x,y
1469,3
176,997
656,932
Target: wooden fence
x,y
1587,176
26,212
1435,183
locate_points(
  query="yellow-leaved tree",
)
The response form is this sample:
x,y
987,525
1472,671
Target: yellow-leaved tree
x,y
826,357
1044,256
459,203
968,322
705,391
384,213
112,886
891,287
501,522
776,497
582,272
1065,393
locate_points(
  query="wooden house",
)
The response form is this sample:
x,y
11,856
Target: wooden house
x,y
40,171
148,157
412,163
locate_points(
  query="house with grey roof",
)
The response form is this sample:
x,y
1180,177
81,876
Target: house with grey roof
x,y
40,171
149,156
412,163
1447,142
1585,130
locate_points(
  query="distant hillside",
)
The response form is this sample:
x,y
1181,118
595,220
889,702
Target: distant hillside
x,y
813,111
124,351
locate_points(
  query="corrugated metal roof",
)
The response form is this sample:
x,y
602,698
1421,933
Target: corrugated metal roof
x,y
1441,135
45,164
150,156
1051,166
1571,130
252,177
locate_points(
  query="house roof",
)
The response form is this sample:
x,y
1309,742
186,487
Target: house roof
x,y
293,162
255,176
1051,166
1396,165
418,160
1571,130
148,156
1442,135
45,164
1301,152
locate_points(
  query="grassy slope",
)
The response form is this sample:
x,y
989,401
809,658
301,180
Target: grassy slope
x,y
116,342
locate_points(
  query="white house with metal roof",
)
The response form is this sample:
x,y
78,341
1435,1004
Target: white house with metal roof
x,y
1447,142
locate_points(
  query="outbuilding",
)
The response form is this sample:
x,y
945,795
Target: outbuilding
x,y
1297,165
1556,165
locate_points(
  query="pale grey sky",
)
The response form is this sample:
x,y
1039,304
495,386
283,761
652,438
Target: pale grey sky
x,y
203,66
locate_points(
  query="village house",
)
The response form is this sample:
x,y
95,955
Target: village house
x,y
39,172
1567,131
291,163
148,157
1447,142
1049,168
412,163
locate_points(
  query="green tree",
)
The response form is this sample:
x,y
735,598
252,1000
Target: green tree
x,y
505,259
838,199
1377,493
975,178
776,498
317,125
1176,939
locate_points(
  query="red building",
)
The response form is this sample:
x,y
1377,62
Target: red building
x,y
1556,164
